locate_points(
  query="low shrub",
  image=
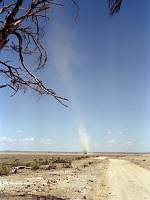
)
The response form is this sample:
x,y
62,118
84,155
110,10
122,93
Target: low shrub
x,y
4,169
28,164
67,164
16,163
35,165
85,165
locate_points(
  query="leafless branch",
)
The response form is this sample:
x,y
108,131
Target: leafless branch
x,y
77,9
114,6
23,22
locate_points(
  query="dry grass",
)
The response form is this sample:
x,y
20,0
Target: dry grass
x,y
36,160
143,160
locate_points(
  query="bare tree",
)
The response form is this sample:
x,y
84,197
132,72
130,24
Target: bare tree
x,y
21,32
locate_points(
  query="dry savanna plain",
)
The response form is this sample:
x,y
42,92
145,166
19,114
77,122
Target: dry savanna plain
x,y
74,176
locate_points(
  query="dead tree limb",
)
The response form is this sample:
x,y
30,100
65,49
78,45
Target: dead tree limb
x,y
114,6
22,21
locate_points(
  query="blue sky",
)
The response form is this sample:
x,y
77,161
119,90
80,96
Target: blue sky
x,y
101,64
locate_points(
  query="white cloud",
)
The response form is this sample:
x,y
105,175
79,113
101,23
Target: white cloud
x,y
130,143
19,131
5,139
108,133
67,144
121,133
46,141
142,143
112,141
31,139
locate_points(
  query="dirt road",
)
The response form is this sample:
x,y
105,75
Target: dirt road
x,y
100,178
127,181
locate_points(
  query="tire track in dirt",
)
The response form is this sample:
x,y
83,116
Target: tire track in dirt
x,y
99,191
127,181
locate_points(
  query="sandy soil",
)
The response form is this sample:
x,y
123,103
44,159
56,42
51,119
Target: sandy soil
x,y
82,181
95,178
127,181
